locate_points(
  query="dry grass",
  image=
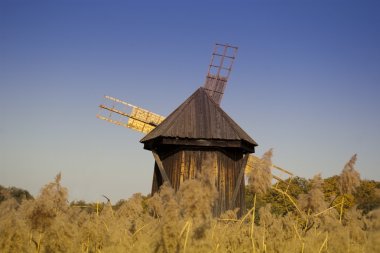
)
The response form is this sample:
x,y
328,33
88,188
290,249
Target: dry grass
x,y
260,176
349,178
182,222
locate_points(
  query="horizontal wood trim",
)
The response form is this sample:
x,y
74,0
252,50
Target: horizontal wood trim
x,y
247,147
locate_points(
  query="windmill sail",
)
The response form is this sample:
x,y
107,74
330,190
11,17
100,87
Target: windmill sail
x,y
127,115
219,70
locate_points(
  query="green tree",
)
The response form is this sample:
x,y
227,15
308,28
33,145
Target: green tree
x,y
331,188
13,192
280,203
367,195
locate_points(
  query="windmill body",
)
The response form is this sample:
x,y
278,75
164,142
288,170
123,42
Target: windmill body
x,y
200,136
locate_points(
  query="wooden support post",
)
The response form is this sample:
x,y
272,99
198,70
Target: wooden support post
x,y
161,168
238,181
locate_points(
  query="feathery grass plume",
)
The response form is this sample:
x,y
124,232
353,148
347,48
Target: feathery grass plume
x,y
134,210
373,224
51,201
13,228
47,217
349,178
314,199
355,223
196,198
170,224
259,182
260,177
61,235
93,232
8,206
266,217
196,204
132,206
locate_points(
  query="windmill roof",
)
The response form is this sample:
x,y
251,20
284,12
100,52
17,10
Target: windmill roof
x,y
199,117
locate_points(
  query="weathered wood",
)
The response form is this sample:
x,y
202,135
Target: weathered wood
x,y
184,164
161,168
157,179
239,180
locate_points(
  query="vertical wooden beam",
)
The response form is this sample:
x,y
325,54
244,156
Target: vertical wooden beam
x,y
161,168
238,181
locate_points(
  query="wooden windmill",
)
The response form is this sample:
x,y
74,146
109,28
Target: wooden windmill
x,y
198,135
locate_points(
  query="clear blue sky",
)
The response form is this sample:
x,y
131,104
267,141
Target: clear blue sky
x,y
306,82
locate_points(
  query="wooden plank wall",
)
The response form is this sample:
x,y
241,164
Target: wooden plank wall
x,y
188,164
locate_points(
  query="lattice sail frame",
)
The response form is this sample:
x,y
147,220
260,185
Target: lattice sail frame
x,y
138,119
219,70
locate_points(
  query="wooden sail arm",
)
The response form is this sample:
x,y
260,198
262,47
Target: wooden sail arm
x,y
127,115
283,170
138,110
133,124
116,122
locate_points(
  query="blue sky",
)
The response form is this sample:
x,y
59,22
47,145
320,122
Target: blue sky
x,y
306,82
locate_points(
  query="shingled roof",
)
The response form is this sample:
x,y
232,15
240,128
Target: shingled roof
x,y
199,118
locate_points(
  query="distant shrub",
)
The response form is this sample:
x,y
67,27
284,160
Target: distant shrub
x,y
14,193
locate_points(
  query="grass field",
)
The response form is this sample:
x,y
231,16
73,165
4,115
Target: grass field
x,y
276,221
